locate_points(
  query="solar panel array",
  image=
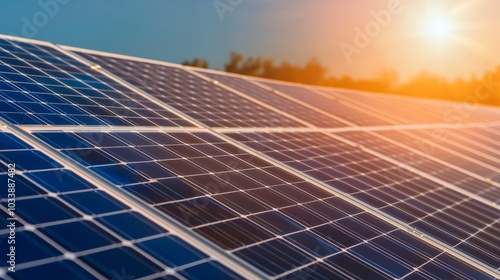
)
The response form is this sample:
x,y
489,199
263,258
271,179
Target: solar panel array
x,y
130,168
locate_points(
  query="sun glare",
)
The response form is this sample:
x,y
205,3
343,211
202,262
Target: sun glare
x,y
440,27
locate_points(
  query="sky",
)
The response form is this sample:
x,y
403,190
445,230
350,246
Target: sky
x,y
452,38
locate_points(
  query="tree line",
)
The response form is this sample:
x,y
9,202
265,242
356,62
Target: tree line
x,y
424,84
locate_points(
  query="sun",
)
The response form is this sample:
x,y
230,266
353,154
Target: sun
x,y
439,27
442,29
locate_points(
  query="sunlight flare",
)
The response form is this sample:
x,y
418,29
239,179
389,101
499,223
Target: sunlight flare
x,y
440,27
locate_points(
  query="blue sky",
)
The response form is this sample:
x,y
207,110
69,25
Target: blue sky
x,y
292,30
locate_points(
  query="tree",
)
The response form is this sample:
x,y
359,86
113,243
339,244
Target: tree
x,y
485,89
234,63
197,62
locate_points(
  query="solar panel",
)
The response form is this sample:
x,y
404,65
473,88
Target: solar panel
x,y
433,166
423,111
209,104
39,85
303,111
246,205
356,116
394,107
467,157
456,149
422,204
485,136
66,225
132,168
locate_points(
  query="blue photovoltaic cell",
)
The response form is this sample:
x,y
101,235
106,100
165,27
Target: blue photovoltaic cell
x,y
162,247
336,108
136,265
291,107
268,217
425,206
80,236
40,85
197,98
65,270
214,270
53,201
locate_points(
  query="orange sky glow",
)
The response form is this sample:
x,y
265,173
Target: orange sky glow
x,y
448,38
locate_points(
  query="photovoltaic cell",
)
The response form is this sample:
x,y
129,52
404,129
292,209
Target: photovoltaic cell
x,y
395,107
200,99
66,225
425,206
446,173
282,103
439,147
471,138
453,149
40,85
270,218
492,132
422,110
482,135
328,105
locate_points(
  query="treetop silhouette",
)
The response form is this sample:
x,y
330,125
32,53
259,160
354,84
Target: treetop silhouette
x,y
424,84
